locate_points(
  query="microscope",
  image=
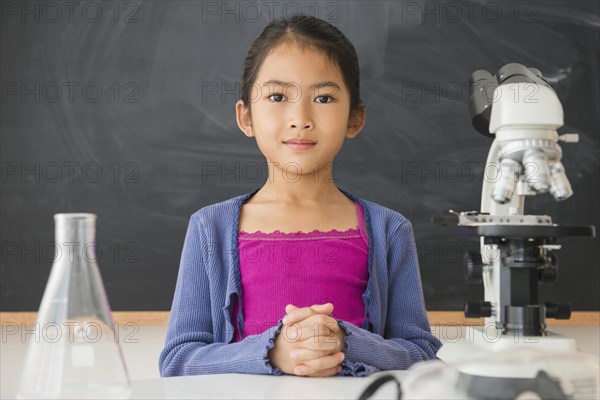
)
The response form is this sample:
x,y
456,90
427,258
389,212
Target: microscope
x,y
513,355
521,112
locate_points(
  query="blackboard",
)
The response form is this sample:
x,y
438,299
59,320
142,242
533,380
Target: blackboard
x,y
126,109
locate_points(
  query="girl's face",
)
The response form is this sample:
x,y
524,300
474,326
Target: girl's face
x,y
299,94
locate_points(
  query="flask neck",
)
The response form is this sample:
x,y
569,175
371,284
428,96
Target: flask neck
x,y
75,236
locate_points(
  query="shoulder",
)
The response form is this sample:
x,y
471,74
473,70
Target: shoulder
x,y
216,210
392,231
389,228
221,215
378,215
384,217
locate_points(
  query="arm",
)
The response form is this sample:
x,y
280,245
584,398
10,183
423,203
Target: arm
x,y
408,337
190,348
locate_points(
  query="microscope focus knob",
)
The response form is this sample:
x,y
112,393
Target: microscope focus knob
x,y
549,272
478,309
473,267
547,275
558,311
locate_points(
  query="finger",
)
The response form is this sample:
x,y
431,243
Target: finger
x,y
305,370
290,308
321,324
304,337
302,355
299,314
326,362
321,308
320,343
318,327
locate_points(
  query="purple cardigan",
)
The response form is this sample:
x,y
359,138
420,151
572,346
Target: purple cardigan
x,y
200,332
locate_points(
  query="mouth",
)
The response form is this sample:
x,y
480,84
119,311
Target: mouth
x,y
302,144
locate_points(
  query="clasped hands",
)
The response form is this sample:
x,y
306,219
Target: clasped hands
x,y
309,343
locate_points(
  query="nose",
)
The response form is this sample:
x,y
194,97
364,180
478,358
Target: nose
x,y
305,125
301,117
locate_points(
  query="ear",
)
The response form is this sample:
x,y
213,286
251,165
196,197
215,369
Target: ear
x,y
243,118
356,122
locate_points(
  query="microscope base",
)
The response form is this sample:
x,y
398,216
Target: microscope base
x,y
481,341
506,366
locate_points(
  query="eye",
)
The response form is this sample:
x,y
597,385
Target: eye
x,y
276,98
325,97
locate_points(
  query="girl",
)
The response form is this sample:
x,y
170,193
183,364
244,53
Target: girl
x,y
299,276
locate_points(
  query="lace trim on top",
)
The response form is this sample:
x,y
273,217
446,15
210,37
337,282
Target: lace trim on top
x,y
349,233
315,234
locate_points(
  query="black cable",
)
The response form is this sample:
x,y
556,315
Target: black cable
x,y
377,383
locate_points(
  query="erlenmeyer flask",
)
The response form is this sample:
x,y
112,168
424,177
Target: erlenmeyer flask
x,y
74,352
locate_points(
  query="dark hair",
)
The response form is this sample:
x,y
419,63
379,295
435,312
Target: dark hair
x,y
306,31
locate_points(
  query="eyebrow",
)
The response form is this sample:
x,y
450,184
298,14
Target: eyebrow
x,y
313,86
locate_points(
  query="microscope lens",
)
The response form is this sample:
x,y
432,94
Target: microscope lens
x,y
537,173
560,187
510,171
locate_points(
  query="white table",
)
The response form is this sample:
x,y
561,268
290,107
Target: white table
x,y
244,386
142,361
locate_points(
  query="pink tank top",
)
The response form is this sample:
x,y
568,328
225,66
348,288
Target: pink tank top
x,y
302,268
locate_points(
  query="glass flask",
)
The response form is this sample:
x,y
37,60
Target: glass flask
x,y
75,352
